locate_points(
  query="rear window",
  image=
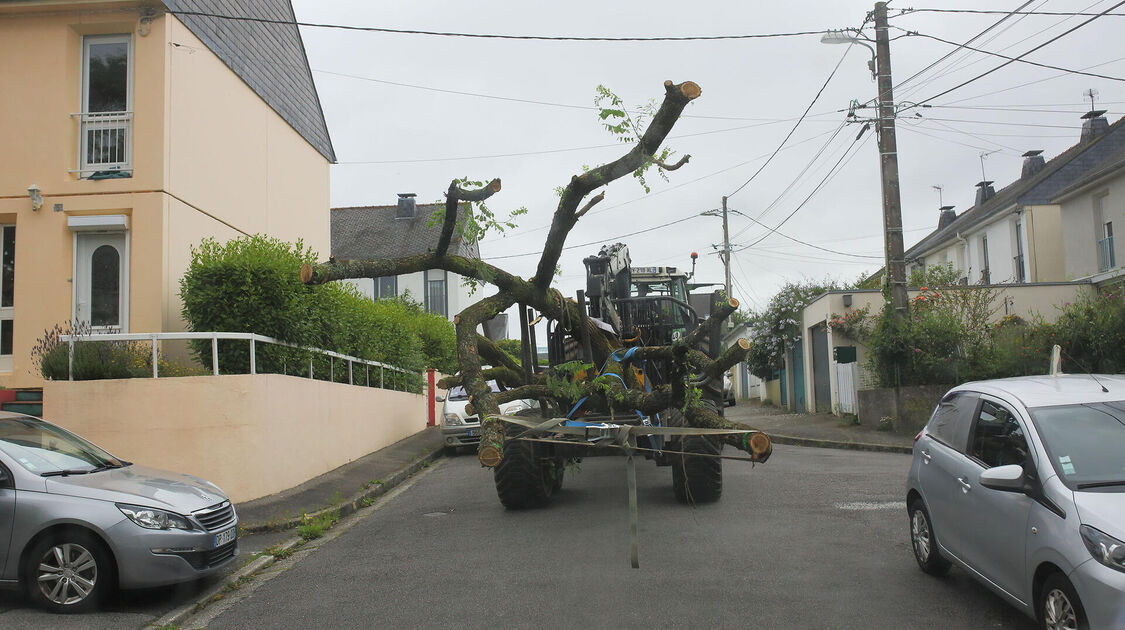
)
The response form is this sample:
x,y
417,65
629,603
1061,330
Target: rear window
x,y
950,422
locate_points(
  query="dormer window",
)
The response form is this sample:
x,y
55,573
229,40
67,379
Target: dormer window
x,y
105,122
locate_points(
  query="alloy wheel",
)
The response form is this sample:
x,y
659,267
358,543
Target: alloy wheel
x,y
1058,613
920,535
68,573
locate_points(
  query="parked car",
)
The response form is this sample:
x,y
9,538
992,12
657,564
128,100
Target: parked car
x,y
1021,482
77,522
460,429
728,391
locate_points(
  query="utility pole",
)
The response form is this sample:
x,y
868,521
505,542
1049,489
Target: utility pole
x,y
888,155
726,247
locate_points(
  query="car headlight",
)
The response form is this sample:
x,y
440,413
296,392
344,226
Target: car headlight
x,y
511,409
152,518
1105,548
452,418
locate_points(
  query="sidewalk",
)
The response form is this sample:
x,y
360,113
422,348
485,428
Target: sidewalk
x,y
337,488
817,429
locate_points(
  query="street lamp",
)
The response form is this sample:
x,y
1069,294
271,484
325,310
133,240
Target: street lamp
x,y
843,36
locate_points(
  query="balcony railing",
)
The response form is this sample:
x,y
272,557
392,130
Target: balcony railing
x,y
1106,258
104,142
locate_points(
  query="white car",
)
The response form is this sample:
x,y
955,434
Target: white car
x,y
462,430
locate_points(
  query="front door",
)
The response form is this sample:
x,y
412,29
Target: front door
x,y
101,281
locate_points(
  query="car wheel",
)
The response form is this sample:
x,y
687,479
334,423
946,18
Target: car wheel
x,y
923,541
68,572
1059,606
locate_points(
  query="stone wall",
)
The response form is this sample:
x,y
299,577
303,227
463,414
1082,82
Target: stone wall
x,y
909,406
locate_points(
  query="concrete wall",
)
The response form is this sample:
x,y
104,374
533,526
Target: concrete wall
x,y
771,391
909,406
252,435
1081,230
1044,226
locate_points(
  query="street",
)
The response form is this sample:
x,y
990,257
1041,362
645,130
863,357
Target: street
x,y
816,538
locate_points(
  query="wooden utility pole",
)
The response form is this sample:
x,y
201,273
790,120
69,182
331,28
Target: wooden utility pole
x,y
726,247
888,155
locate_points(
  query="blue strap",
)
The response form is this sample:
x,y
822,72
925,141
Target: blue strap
x,y
576,406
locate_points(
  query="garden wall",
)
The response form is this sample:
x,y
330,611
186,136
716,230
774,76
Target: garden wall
x,y
910,406
252,435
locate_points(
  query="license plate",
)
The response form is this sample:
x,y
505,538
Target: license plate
x,y
225,537
471,433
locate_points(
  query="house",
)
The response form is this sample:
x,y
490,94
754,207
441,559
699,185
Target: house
x,y
1013,235
1090,207
131,133
374,232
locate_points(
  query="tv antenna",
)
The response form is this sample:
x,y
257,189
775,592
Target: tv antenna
x,y
1090,94
939,199
983,155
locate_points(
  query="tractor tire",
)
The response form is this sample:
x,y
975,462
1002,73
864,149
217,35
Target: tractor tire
x,y
694,479
524,479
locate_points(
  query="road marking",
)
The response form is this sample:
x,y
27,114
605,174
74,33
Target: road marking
x,y
869,506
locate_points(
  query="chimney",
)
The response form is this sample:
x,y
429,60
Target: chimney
x,y
1094,124
405,208
985,191
948,216
1033,162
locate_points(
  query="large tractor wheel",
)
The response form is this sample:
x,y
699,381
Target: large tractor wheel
x,y
526,477
695,479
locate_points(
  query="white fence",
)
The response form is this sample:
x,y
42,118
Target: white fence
x,y
215,337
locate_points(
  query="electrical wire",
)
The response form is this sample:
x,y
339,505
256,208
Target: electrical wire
x,y
998,11
1026,61
599,241
798,123
554,38
1014,59
1027,83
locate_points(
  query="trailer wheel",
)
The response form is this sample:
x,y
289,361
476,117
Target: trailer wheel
x,y
694,479
524,478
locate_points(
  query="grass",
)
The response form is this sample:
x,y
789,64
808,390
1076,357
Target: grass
x,y
366,501
279,553
315,526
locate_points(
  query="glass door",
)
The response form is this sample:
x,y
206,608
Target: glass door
x,y
7,294
101,281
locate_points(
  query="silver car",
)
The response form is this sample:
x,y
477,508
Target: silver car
x,y
1021,482
76,522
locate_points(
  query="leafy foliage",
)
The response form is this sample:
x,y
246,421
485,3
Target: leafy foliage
x,y
778,326
96,360
475,220
629,128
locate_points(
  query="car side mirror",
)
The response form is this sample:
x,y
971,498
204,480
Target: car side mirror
x,y
439,398
1008,478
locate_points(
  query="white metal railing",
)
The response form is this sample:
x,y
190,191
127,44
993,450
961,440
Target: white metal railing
x,y
104,141
215,337
1106,259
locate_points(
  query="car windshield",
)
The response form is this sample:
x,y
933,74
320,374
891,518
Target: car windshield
x,y
45,449
1085,442
458,392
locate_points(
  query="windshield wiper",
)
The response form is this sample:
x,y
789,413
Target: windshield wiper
x,y
1100,484
64,473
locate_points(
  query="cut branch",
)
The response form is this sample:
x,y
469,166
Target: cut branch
x,y
595,200
711,324
671,167
453,197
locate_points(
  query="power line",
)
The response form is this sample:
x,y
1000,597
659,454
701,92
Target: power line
x,y
1027,83
603,240
798,124
1032,63
1016,12
1014,59
555,38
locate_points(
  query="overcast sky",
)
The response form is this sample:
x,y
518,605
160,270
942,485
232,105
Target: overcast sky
x,y
391,138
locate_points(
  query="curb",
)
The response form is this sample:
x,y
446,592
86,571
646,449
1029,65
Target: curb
x,y
177,617
354,503
850,446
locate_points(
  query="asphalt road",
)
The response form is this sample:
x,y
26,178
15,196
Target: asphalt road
x,y
816,538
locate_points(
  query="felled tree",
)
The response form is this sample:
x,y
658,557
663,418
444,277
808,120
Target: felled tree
x,y
690,367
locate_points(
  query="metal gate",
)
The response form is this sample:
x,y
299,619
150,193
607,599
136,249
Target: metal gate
x,y
846,378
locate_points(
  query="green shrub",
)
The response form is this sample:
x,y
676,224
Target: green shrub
x,y
95,360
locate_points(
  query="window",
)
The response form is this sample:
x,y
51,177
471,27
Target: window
x,y
950,421
997,438
105,120
386,287
985,277
7,294
1018,260
435,292
1106,256
105,287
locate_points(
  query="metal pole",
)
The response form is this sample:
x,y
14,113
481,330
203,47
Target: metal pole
x,y
215,354
380,376
331,369
726,247
310,367
888,155
70,361
155,359
253,361
350,380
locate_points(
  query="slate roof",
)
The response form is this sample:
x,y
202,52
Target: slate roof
x,y
269,58
1056,175
373,232
1112,164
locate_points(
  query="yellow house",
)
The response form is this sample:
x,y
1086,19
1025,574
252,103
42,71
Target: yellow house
x,y
130,131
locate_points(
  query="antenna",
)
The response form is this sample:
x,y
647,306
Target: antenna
x,y
1056,363
1090,94
939,199
983,155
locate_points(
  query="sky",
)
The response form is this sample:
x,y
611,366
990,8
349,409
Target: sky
x,y
408,113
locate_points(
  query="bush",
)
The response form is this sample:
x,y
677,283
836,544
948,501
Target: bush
x,y
252,284
95,360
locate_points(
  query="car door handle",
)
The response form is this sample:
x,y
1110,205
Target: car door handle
x,y
964,484
926,455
